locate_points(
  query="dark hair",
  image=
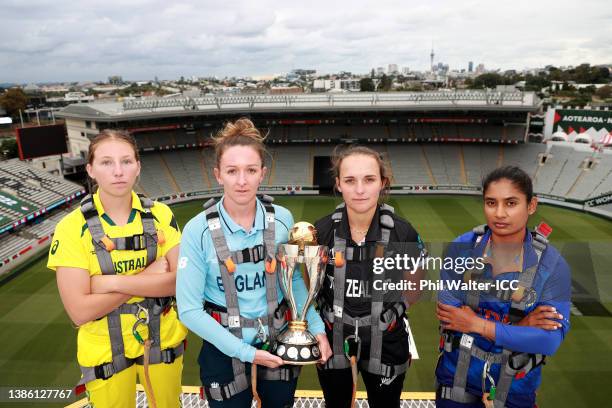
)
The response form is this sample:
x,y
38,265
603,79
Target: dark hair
x,y
342,152
239,133
517,176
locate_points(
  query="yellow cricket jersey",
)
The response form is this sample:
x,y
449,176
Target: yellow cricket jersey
x,y
72,246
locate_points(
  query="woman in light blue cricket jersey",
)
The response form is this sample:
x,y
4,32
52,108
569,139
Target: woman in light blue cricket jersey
x,y
227,290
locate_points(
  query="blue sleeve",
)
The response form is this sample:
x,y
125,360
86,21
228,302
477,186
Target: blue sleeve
x,y
190,285
557,293
446,295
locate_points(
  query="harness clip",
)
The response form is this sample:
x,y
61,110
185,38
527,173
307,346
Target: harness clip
x,y
109,245
271,265
338,259
161,237
230,265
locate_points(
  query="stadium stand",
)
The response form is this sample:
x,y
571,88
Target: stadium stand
x,y
570,171
574,171
524,156
291,166
156,177
29,201
409,165
34,185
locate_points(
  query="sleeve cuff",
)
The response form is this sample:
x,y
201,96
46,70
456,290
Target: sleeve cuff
x,y
247,353
499,333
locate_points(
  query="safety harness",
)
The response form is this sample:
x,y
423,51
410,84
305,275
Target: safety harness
x,y
230,318
147,312
382,320
514,364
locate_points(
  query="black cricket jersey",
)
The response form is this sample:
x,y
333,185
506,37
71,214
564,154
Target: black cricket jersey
x,y
359,273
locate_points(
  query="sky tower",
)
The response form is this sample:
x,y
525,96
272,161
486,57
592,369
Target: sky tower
x,y
431,57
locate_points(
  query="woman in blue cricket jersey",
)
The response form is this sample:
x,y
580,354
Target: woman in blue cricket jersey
x,y
227,291
494,341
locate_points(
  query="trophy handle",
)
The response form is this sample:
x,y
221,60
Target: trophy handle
x,y
314,271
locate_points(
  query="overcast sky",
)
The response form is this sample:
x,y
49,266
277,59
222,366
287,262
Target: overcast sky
x,y
90,40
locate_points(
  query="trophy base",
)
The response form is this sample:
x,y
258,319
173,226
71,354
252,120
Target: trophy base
x,y
296,345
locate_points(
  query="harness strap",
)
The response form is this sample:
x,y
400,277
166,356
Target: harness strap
x,y
336,314
231,318
222,317
338,360
521,299
107,370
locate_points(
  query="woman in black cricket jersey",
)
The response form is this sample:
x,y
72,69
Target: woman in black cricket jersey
x,y
360,229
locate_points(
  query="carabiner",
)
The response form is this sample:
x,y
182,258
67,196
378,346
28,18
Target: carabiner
x,y
487,375
135,333
261,331
141,309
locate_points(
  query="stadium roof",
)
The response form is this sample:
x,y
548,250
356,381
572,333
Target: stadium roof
x,y
150,108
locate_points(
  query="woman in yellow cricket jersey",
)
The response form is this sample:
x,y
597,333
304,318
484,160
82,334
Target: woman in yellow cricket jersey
x,y
115,260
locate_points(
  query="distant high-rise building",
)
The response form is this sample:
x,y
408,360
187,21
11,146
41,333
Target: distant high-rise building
x,y
480,69
393,69
380,71
470,66
405,70
431,58
115,80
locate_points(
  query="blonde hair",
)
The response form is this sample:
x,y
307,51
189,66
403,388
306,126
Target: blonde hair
x,y
111,134
342,152
242,132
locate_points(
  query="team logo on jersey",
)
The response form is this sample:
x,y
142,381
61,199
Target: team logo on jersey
x,y
54,247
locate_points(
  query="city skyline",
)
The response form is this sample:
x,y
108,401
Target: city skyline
x,y
62,42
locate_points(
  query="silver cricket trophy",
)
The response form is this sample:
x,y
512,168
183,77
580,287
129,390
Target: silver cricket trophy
x,y
296,345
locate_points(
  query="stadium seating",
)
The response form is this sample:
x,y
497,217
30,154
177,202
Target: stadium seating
x,y
34,185
565,172
574,171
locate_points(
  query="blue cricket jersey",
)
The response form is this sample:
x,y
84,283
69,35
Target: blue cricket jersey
x,y
552,284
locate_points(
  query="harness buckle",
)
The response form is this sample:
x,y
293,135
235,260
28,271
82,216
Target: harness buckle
x,y
466,341
260,253
233,321
139,242
168,356
104,371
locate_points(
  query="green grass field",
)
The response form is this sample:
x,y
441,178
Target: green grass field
x,y
39,342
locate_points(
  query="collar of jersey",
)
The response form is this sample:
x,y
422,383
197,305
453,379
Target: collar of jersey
x,y
136,206
373,235
260,218
529,256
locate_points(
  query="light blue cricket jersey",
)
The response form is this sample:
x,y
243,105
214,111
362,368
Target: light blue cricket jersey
x,y
199,280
